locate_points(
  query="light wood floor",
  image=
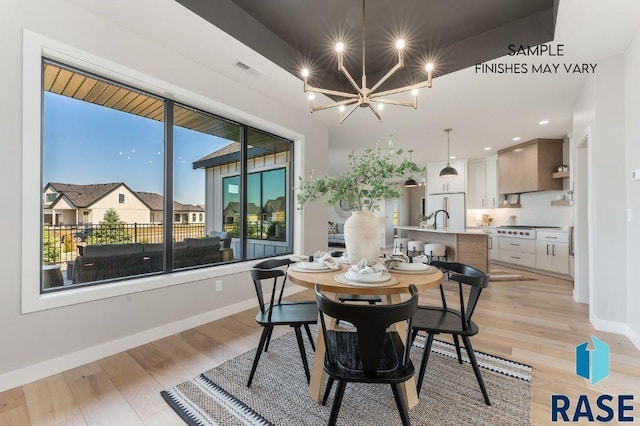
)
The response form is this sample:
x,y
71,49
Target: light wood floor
x,y
534,322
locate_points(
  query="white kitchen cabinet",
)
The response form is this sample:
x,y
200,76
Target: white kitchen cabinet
x,y
552,251
439,185
494,245
491,182
482,185
519,251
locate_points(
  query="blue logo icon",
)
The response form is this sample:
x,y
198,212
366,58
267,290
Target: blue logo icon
x,y
592,364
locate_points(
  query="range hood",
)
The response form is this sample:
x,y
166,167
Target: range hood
x,y
529,166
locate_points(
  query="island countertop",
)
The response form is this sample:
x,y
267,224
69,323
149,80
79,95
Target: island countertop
x,y
467,231
470,246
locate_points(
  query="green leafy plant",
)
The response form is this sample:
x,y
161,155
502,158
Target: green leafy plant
x,y
111,230
424,218
373,176
50,249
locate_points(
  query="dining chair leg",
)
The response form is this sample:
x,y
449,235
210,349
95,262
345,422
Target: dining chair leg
x,y
306,327
263,338
414,333
303,353
425,359
337,402
266,345
457,342
401,403
476,369
327,390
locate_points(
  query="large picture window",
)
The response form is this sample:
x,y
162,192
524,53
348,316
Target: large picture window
x,y
135,184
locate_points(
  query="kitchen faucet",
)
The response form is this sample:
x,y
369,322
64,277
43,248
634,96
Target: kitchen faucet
x,y
435,218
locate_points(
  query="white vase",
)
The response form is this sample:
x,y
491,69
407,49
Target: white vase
x,y
362,236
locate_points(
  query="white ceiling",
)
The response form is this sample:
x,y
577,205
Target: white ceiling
x,y
482,109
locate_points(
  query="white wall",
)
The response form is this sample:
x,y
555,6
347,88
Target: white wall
x,y
632,114
601,108
45,335
536,210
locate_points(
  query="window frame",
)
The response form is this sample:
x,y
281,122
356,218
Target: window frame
x,y
35,47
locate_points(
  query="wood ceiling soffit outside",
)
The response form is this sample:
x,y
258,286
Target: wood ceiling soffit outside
x,y
85,88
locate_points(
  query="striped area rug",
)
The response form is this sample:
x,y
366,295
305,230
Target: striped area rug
x,y
278,395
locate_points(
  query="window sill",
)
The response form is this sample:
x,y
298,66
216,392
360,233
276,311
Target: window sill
x,y
39,302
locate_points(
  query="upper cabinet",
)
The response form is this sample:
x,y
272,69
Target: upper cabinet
x,y
529,166
482,183
439,185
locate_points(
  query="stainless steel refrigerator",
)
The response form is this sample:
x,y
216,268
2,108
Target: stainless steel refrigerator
x,y
452,203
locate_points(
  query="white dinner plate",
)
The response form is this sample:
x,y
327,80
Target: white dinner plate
x,y
312,271
312,266
377,277
429,270
411,266
343,280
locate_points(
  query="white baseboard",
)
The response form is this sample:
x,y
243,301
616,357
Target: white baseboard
x,y
608,326
47,368
634,337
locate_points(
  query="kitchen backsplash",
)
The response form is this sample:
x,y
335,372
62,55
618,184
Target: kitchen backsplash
x,y
536,210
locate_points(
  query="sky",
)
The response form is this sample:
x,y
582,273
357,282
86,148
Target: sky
x,y
86,143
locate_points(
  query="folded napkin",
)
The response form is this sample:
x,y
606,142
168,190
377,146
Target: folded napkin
x,y
298,258
393,260
326,259
363,267
421,259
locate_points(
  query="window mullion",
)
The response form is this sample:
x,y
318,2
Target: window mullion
x,y
243,191
168,187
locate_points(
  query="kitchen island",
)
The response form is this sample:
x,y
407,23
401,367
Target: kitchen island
x,y
470,246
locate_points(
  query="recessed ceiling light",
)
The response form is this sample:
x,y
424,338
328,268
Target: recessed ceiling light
x,y
543,122
517,138
453,157
488,148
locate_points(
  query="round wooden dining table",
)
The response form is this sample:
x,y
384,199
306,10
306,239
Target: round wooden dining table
x,y
392,294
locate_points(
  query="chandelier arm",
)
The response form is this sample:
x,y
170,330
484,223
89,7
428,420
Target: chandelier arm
x,y
400,90
351,80
387,75
331,92
395,102
376,112
344,116
333,105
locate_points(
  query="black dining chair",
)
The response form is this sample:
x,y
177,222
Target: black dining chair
x,y
370,354
280,312
444,320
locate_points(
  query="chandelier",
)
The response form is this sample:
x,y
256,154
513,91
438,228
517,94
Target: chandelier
x,y
365,97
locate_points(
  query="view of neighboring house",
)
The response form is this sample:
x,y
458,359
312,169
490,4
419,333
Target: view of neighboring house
x,y
70,204
267,163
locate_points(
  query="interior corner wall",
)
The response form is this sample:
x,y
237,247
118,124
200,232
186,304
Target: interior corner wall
x,y
607,204
632,113
29,339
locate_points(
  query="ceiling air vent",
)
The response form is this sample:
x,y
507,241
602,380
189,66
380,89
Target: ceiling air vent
x,y
243,66
249,68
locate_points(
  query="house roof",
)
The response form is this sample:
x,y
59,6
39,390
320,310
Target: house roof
x,y
156,202
260,144
234,206
277,205
83,196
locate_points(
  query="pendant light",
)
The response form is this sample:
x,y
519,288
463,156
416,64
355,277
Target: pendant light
x,y
411,182
448,171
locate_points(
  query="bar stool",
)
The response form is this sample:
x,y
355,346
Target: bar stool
x,y
399,245
415,248
438,251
